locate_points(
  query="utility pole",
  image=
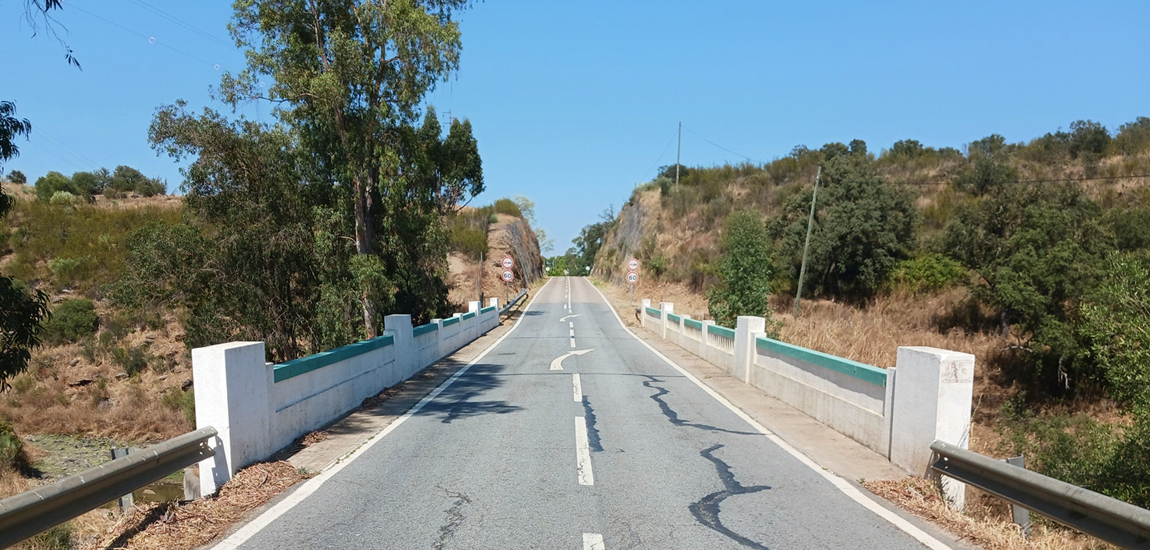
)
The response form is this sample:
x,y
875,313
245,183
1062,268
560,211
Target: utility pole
x,y
807,246
678,151
479,280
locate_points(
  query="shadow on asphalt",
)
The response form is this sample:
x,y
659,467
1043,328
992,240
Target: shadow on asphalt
x,y
461,399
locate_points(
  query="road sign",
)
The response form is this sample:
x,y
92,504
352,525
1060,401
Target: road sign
x,y
632,277
508,263
633,265
508,276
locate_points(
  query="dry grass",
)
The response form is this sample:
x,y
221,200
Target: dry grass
x,y
985,523
173,526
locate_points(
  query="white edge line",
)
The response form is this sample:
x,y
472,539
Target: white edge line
x,y
840,483
263,520
577,388
583,453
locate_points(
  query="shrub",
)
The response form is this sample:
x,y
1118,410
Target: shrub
x,y
508,206
63,198
52,182
17,176
182,401
64,269
744,271
1113,325
12,455
929,273
132,360
493,219
71,321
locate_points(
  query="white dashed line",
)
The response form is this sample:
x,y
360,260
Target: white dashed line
x,y
583,453
593,541
578,390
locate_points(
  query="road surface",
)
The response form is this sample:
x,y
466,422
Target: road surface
x,y
571,433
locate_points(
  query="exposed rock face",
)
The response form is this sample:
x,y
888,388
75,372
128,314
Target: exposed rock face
x,y
510,236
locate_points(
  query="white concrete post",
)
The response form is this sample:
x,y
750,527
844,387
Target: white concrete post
x,y
705,340
665,308
747,328
683,330
233,386
931,402
399,327
644,304
493,302
473,306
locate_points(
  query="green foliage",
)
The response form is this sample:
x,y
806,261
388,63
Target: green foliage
x,y
17,176
71,321
557,265
864,226
181,401
12,455
1036,250
744,271
50,184
133,359
1133,137
58,537
1129,226
126,179
468,231
589,241
63,198
1115,326
21,313
508,207
927,273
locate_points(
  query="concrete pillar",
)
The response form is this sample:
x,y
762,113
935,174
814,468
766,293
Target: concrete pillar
x,y
931,401
473,306
706,339
399,327
747,328
493,302
233,394
644,304
665,308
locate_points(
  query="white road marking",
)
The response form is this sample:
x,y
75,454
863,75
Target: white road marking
x,y
572,333
583,453
557,363
578,387
295,497
572,341
593,541
841,484
569,316
571,324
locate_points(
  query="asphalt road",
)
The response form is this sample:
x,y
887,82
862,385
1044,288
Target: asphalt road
x,y
615,450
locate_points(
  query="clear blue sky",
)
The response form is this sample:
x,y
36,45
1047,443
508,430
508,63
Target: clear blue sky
x,y
574,102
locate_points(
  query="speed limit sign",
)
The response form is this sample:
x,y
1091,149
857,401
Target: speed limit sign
x,y
508,276
632,277
508,263
633,265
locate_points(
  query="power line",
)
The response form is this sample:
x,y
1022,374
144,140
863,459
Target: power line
x,y
48,150
67,148
150,39
723,148
180,22
660,157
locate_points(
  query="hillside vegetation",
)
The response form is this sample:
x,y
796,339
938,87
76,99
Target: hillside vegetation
x,y
1034,256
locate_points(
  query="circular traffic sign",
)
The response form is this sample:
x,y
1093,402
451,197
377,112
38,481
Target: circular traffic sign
x,y
508,276
633,265
508,263
632,277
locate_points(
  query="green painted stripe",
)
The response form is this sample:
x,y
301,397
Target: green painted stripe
x,y
451,321
673,318
468,315
693,324
296,367
654,312
719,330
864,372
487,309
424,329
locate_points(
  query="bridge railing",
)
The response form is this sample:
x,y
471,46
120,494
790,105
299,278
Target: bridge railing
x,y
28,513
260,408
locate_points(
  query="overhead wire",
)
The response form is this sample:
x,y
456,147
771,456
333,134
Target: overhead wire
x,y
182,23
721,147
656,163
150,39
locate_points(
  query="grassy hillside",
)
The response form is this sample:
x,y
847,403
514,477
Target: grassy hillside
x,y
1033,256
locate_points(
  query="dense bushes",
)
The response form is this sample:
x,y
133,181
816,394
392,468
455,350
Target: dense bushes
x,y
122,181
71,321
744,271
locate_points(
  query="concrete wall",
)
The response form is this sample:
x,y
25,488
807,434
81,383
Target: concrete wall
x,y
895,412
259,408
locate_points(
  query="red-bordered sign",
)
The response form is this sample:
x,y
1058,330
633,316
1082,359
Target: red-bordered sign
x,y
508,276
633,265
508,263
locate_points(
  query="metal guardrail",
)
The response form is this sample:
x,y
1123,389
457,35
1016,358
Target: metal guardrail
x,y
1116,522
26,514
514,301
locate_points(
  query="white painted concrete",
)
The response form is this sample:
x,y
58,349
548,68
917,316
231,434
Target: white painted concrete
x,y
255,416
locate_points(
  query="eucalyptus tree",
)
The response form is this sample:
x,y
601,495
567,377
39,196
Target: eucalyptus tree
x,y
349,77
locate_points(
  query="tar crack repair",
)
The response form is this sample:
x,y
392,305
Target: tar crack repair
x,y
706,509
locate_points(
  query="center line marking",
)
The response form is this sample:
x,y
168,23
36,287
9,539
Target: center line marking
x,y
572,341
583,453
578,388
571,324
593,541
572,332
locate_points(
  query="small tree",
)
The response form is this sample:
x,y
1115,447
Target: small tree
x,y
17,176
744,271
53,182
1114,321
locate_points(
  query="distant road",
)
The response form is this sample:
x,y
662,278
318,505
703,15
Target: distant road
x,y
571,433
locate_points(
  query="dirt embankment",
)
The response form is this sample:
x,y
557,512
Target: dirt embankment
x,y
510,236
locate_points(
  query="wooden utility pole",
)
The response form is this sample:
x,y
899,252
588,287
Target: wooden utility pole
x,y
678,151
807,246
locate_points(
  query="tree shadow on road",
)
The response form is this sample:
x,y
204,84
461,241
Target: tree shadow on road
x,y
460,400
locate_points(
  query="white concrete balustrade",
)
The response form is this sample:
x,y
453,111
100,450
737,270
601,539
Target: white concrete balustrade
x,y
895,412
259,408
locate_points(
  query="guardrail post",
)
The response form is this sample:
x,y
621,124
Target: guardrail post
x,y
643,305
233,387
706,339
931,403
747,328
493,302
665,308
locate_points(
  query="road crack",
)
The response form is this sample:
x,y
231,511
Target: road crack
x,y
706,509
592,431
454,518
674,416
